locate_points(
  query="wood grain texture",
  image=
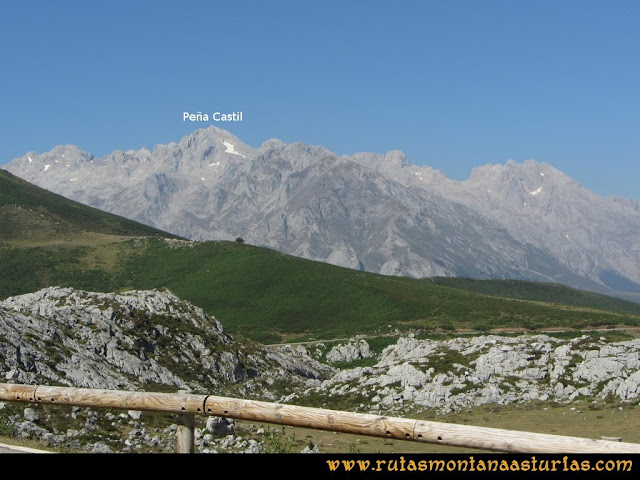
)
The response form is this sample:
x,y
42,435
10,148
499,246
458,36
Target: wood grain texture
x,y
188,405
483,438
155,402
185,441
514,441
17,393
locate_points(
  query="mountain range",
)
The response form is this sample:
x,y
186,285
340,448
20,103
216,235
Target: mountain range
x,y
372,212
147,335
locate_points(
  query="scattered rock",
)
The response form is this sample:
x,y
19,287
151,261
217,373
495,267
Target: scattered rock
x,y
464,372
220,426
310,449
100,447
31,415
134,414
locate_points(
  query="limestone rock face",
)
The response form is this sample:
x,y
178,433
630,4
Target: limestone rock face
x,y
356,349
135,340
371,212
466,372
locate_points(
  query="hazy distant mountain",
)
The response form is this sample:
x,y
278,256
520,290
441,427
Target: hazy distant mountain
x,y
371,212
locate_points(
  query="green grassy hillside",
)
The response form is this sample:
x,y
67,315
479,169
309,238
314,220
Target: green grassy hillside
x,y
47,240
28,212
552,292
273,297
269,296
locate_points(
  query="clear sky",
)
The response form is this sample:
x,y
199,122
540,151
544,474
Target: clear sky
x,y
455,84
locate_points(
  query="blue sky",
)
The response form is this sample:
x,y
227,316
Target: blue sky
x,y
455,84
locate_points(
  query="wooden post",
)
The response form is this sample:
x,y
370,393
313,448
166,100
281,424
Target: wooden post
x,y
185,431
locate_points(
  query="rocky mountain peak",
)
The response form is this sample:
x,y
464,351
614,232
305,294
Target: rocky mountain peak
x,y
272,144
59,158
391,160
375,212
397,158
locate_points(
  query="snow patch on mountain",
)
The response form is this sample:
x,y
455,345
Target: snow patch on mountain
x,y
376,212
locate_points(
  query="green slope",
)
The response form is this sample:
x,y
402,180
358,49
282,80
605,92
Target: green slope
x,y
48,240
550,292
268,296
30,212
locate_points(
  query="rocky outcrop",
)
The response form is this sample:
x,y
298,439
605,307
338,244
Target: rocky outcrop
x,y
137,340
150,340
466,372
355,349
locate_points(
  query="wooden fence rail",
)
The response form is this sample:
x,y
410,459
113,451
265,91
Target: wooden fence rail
x,y
188,405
